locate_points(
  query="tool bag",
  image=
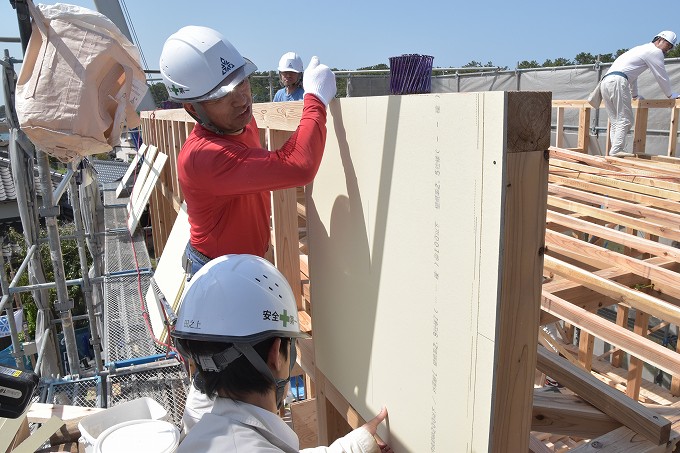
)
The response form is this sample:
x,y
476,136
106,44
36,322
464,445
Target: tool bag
x,y
80,82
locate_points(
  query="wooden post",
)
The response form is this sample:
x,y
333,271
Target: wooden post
x,y
583,129
559,128
621,320
636,365
284,219
586,344
640,129
673,132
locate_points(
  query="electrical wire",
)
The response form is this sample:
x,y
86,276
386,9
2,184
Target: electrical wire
x,y
145,313
128,17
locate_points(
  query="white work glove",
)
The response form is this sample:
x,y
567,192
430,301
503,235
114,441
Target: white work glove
x,y
319,81
674,96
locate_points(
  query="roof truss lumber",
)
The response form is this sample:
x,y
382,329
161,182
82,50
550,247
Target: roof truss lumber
x,y
617,292
556,413
653,353
634,415
642,268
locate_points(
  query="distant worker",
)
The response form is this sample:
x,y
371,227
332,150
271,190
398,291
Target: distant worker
x,y
290,75
238,323
619,85
225,175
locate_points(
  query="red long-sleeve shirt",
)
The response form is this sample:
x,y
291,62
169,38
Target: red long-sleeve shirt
x,y
227,181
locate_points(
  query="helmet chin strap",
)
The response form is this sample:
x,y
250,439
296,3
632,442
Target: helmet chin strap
x,y
220,361
254,358
202,118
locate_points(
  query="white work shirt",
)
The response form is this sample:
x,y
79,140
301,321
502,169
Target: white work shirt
x,y
237,427
637,60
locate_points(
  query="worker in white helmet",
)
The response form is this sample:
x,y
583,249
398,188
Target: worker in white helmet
x,y
290,75
225,175
619,85
238,323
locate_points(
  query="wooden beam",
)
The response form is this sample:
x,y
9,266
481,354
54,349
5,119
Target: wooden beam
x,y
569,415
634,415
613,217
636,299
648,200
653,353
668,219
627,240
642,268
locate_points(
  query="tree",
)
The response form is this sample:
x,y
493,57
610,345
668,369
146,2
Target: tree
x,y
674,52
381,66
585,58
528,64
557,62
2,111
159,93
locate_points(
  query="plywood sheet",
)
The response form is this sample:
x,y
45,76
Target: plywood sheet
x,y
139,200
405,224
130,170
169,276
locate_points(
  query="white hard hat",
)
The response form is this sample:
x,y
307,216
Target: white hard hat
x,y
290,61
238,298
199,64
668,36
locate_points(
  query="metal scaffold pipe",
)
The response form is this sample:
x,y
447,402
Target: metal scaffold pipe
x,y
63,304
14,334
87,286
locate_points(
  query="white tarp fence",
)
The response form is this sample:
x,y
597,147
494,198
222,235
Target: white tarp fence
x,y
568,82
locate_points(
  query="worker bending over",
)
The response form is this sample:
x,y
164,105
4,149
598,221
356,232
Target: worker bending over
x,y
238,323
619,85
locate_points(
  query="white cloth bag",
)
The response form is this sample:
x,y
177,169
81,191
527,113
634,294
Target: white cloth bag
x,y
80,82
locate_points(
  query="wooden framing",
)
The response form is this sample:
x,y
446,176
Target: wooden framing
x,y
609,232
641,112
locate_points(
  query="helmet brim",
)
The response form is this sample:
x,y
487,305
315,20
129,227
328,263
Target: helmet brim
x,y
256,338
227,85
289,70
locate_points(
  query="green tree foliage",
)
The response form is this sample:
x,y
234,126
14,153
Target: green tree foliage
x,y
585,58
377,67
557,62
674,52
69,250
528,64
159,93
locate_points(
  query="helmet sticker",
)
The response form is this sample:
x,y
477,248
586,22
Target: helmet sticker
x,y
226,66
177,90
191,324
275,317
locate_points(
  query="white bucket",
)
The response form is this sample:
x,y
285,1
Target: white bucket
x,y
149,436
92,426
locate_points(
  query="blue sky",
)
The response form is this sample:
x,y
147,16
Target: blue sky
x,y
351,34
